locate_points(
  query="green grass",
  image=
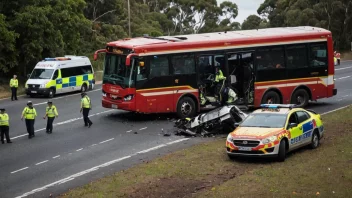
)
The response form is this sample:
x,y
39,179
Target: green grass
x,y
205,171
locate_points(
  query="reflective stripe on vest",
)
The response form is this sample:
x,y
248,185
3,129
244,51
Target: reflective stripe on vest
x,y
4,119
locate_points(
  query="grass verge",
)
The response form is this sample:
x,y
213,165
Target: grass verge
x,y
205,171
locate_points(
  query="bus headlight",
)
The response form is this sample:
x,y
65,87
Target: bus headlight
x,y
269,139
128,97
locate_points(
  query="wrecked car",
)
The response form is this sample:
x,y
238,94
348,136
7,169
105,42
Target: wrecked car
x,y
217,121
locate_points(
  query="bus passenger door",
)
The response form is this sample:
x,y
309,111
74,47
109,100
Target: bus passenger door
x,y
184,75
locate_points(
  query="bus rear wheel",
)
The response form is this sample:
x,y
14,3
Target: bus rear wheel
x,y
271,97
84,88
300,98
186,107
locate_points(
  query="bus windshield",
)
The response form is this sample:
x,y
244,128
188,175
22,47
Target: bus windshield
x,y
116,72
41,74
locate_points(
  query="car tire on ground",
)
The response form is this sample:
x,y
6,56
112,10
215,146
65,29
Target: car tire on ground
x,y
282,151
315,140
51,93
271,97
300,97
186,108
231,157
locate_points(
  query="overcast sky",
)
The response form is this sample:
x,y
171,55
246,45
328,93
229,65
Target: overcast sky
x,y
245,8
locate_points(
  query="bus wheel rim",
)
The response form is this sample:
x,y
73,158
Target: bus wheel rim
x,y
300,100
186,108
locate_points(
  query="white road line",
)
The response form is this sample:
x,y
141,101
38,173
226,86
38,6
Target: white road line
x,y
56,156
70,153
93,144
343,77
106,141
335,110
19,170
79,149
129,131
342,68
143,128
64,122
69,178
41,162
151,149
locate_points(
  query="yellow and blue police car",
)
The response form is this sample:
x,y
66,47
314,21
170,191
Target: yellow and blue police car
x,y
274,130
60,75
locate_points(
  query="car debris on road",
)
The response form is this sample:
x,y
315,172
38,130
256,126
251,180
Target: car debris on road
x,y
218,121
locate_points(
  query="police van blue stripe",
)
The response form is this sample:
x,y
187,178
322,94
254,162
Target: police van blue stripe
x,y
85,77
59,81
72,81
65,85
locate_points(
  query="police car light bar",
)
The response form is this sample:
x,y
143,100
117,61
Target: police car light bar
x,y
50,59
275,106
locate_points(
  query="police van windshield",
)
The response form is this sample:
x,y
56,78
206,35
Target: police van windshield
x,y
42,74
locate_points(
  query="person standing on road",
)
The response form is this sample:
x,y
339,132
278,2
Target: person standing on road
x,y
338,56
14,86
86,106
4,126
51,113
29,114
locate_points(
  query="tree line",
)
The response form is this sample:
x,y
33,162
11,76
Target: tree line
x,y
31,30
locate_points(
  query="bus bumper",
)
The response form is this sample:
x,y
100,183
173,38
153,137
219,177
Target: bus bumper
x,y
128,106
334,92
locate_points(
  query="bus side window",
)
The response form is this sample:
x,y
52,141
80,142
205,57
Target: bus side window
x,y
159,66
318,55
183,64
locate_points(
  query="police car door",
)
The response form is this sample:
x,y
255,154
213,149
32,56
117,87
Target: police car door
x,y
295,131
307,125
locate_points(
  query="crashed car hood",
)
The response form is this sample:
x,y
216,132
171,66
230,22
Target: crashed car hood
x,y
255,132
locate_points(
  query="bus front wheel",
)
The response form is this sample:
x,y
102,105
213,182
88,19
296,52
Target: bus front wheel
x,y
186,107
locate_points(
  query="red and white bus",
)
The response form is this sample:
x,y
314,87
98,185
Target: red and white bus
x,y
163,74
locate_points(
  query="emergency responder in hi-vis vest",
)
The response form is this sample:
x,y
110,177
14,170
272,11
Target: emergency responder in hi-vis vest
x,y
4,126
51,113
86,106
29,114
14,86
219,80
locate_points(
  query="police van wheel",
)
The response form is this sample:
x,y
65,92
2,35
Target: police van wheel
x,y
282,151
186,108
84,88
300,98
315,140
51,93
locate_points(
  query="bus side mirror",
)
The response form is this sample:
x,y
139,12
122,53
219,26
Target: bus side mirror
x,y
141,64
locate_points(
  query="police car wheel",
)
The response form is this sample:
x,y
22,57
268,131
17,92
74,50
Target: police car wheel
x,y
282,151
300,98
315,141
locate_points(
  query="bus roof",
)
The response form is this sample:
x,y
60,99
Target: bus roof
x,y
222,40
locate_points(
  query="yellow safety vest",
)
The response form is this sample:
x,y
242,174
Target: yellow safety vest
x,y
14,83
29,114
4,119
51,111
219,76
85,102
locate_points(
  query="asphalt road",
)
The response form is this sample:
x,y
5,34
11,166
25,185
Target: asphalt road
x,y
75,155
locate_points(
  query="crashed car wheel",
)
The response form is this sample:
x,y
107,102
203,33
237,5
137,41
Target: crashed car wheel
x,y
186,108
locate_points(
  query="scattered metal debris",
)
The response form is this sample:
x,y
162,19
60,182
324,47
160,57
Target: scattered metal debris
x,y
217,121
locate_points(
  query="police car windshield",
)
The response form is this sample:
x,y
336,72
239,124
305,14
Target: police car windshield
x,y
266,120
115,70
42,74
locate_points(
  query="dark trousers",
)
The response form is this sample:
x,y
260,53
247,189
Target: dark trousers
x,y
85,116
30,127
49,124
14,93
5,131
338,61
